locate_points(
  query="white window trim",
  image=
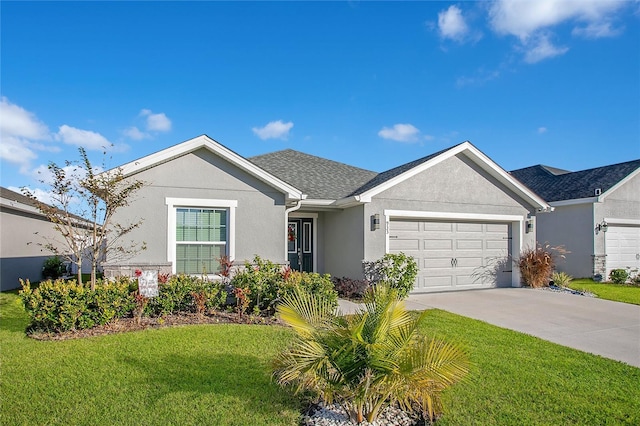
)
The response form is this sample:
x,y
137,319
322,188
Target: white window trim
x,y
516,222
174,203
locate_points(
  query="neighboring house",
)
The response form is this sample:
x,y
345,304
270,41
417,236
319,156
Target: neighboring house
x,y
457,212
596,215
22,229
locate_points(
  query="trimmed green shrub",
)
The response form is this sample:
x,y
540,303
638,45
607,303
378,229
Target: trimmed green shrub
x,y
183,293
399,271
66,305
312,283
618,276
264,283
53,268
262,279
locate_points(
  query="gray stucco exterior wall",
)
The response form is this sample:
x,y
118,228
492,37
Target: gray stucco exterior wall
x,y
20,254
344,233
571,227
259,216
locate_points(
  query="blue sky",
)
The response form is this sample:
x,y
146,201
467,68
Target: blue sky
x,y
372,84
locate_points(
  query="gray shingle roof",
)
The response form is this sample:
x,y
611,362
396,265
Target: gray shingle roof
x,y
319,178
16,196
557,184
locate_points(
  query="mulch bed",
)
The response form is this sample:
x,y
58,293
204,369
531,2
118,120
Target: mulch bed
x,y
123,325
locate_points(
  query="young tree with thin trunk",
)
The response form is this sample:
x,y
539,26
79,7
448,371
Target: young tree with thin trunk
x,y
84,202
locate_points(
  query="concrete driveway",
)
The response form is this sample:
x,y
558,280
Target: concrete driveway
x,y
601,327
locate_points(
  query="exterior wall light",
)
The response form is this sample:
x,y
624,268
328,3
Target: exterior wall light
x,y
529,227
375,221
602,227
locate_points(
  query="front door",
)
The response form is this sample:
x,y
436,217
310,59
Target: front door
x,y
300,244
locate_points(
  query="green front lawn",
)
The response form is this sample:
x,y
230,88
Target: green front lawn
x,y
616,292
219,375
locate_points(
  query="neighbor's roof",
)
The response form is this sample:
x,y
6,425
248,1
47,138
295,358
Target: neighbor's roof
x,y
557,185
319,178
16,201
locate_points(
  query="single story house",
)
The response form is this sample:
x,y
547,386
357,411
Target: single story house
x,y
596,215
458,213
23,228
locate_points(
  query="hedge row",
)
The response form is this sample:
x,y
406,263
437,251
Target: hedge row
x,y
57,306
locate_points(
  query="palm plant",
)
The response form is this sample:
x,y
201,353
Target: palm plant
x,y
369,360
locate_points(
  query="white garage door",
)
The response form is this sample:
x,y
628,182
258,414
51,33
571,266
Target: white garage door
x,y
622,247
454,255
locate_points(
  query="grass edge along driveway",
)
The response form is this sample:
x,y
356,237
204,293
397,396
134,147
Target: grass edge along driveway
x,y
219,375
616,292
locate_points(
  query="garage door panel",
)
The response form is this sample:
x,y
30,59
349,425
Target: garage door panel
x,y
431,263
404,226
436,245
404,244
469,227
502,244
469,262
469,244
437,226
437,282
500,228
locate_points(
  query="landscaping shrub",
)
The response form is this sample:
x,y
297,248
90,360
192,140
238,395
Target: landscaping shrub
x,y
618,276
66,305
264,283
312,283
186,293
537,264
561,279
53,268
399,271
262,279
350,288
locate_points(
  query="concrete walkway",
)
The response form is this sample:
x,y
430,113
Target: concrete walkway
x,y
601,327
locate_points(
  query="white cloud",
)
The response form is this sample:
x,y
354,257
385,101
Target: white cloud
x,y
135,133
274,130
156,122
596,30
541,49
400,132
17,151
85,138
43,175
17,122
451,24
542,130
531,22
18,129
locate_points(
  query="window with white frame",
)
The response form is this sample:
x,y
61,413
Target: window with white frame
x,y
200,232
201,238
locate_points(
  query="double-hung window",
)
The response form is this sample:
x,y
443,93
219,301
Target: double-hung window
x,y
200,232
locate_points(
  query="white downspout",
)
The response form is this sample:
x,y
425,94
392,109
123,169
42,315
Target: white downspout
x,y
286,225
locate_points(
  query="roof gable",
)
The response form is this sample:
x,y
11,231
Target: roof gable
x,y
576,185
401,173
206,142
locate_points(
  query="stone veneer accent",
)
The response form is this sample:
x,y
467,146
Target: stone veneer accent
x,y
600,265
112,270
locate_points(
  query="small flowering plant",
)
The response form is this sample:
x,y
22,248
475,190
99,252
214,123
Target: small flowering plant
x,y
138,273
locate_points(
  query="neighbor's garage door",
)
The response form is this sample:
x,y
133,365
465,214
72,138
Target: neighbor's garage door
x,y
622,247
454,255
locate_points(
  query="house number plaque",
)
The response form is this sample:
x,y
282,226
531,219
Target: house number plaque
x,y
148,284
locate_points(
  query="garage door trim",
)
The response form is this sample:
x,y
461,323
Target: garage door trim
x,y
516,221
